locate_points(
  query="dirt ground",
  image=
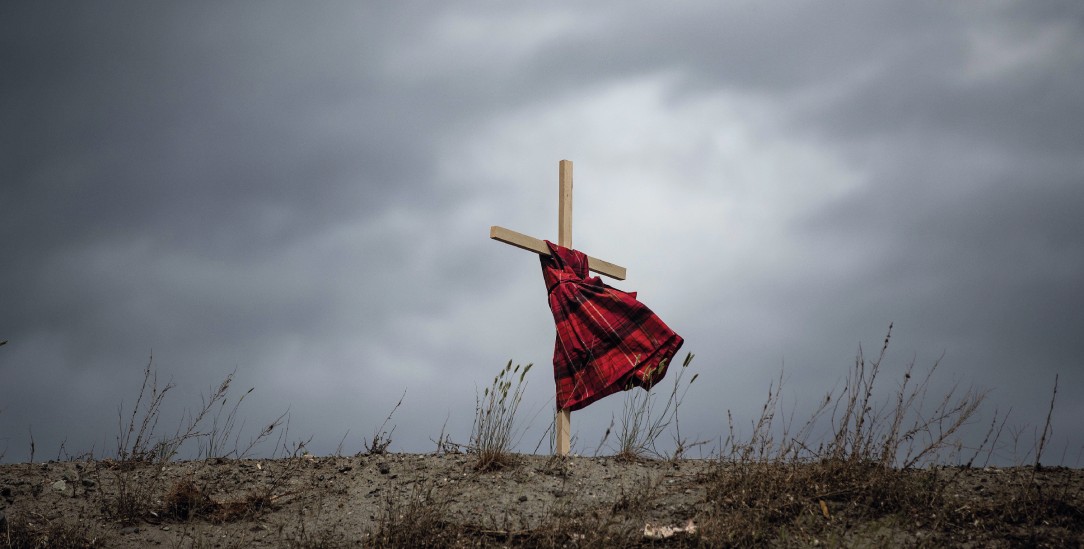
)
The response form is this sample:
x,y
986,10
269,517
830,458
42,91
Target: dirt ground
x,y
407,500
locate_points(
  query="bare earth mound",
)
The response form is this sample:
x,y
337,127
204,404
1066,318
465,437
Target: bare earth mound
x,y
398,500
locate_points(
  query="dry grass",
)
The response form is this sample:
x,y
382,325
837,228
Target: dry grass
x,y
604,503
381,439
866,468
187,501
643,422
19,532
906,431
416,522
423,519
142,452
495,430
756,503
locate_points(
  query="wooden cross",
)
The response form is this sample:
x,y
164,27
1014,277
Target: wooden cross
x,y
564,238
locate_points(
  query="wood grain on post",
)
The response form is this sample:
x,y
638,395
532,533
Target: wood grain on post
x,y
563,421
564,205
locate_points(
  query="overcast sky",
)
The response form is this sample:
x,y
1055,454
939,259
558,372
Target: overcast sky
x,y
302,192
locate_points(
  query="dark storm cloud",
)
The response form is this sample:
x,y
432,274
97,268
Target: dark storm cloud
x,y
975,187
169,175
209,134
968,232
756,48
160,120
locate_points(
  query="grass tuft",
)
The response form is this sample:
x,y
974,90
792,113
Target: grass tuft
x,y
417,522
642,423
495,430
186,501
381,439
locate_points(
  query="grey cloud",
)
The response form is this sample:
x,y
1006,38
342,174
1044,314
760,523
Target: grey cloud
x,y
269,189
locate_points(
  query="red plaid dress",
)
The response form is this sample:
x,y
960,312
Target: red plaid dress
x,y
607,341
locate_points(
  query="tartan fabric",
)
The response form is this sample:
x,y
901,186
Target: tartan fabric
x,y
607,341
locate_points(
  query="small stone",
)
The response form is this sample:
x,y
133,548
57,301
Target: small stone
x,y
522,499
383,468
130,530
60,486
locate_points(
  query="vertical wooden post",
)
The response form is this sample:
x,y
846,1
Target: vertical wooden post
x,y
564,205
563,421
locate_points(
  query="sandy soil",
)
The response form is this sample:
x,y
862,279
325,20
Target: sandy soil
x,y
344,501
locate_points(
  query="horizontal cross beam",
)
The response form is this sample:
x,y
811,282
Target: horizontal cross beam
x,y
532,244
